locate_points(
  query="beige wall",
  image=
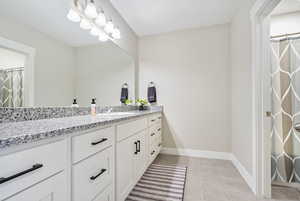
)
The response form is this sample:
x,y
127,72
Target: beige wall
x,y
192,73
241,86
53,63
11,59
285,24
101,70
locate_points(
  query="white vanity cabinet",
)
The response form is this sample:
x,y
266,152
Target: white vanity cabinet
x,y
93,164
52,189
101,164
155,137
34,168
131,158
134,146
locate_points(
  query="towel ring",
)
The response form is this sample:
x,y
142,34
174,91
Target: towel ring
x,y
151,84
125,85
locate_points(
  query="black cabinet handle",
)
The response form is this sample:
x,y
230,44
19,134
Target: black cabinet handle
x,y
100,141
99,174
159,129
34,167
152,152
139,146
136,148
152,120
159,144
152,134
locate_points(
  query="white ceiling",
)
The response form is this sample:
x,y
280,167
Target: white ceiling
x,y
49,17
147,17
287,6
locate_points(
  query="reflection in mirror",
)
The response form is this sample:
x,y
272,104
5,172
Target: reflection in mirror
x,y
11,78
47,60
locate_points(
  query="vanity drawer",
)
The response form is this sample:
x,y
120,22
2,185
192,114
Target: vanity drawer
x,y
90,143
92,175
107,195
154,119
131,128
152,134
155,132
153,152
31,166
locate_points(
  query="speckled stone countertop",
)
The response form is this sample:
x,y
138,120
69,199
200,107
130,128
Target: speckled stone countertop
x,y
17,133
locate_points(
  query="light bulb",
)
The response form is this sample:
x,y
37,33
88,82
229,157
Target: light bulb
x,y
109,27
91,10
85,24
101,19
103,37
95,31
116,33
73,16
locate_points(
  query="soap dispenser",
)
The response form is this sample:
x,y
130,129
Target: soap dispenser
x,y
93,106
74,104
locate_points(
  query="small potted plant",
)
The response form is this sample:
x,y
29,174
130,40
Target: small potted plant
x,y
128,102
142,104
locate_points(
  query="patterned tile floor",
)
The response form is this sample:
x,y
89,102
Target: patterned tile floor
x,y
218,180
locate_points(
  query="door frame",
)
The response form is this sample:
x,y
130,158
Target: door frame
x,y
29,52
260,23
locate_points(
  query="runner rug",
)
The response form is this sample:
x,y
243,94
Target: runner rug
x,y
160,183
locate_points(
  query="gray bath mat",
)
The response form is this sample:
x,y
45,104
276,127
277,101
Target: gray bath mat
x,y
160,183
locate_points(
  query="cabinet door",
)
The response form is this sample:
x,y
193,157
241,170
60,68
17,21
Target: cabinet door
x,y
140,159
125,167
52,189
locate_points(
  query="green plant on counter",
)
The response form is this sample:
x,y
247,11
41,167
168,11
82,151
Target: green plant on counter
x,y
128,102
141,102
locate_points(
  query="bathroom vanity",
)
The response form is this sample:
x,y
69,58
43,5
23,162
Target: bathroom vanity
x,y
78,158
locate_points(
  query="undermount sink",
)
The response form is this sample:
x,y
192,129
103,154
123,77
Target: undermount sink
x,y
115,114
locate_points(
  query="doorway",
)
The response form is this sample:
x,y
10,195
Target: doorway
x,y
275,71
16,74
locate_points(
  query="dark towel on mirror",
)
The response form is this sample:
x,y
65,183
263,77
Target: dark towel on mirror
x,y
124,95
152,94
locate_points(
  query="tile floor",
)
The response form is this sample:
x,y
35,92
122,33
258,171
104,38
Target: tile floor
x,y
218,180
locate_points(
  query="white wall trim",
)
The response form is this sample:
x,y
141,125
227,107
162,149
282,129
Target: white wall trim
x,y
198,153
29,67
249,179
260,40
244,173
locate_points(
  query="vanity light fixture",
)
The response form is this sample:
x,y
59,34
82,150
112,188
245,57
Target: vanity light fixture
x,y
103,37
109,27
101,19
86,13
85,24
73,16
95,31
90,10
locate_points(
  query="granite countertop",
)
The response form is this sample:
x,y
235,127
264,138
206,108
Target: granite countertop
x,y
17,133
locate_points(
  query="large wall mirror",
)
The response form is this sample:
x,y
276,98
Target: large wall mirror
x,y
47,60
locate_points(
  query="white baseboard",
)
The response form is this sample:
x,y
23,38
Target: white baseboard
x,y
197,153
244,173
214,155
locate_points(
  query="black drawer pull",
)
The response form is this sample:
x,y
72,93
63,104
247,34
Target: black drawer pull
x,y
139,146
34,167
152,152
100,141
152,134
99,174
152,120
159,144
136,148
159,129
